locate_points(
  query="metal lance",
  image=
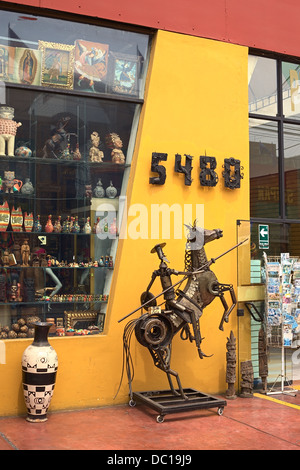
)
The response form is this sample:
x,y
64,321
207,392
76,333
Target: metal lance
x,y
211,261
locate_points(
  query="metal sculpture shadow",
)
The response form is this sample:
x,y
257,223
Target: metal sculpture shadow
x,y
182,310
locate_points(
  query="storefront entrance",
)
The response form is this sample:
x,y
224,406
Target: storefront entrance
x,y
268,280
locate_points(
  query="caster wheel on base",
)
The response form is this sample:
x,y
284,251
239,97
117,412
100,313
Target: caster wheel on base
x,y
160,419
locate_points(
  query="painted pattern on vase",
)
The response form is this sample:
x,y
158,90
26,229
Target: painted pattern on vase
x,y
39,369
28,222
16,219
4,216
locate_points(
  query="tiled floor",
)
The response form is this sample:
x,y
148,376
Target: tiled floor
x,y
258,423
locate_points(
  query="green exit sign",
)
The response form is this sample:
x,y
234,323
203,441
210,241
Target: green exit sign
x,y
263,236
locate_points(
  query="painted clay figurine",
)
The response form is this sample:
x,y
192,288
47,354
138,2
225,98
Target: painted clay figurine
x,y
37,224
49,225
76,153
95,154
8,130
114,142
87,226
9,183
76,226
55,146
57,228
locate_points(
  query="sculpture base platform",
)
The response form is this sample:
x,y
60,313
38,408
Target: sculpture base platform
x,y
165,402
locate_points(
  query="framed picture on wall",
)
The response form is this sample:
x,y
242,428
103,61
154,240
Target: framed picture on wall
x,y
27,66
7,55
81,319
124,73
57,65
90,67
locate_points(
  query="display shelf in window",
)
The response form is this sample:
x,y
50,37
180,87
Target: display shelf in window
x,y
69,170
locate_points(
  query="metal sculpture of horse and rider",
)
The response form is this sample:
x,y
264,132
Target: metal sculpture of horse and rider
x,y
156,328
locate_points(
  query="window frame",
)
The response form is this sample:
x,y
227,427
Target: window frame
x,y
281,120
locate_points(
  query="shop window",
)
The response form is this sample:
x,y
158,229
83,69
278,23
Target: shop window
x,y
274,135
264,170
274,111
77,90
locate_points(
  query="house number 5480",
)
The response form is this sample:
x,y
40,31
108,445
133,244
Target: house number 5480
x,y
208,177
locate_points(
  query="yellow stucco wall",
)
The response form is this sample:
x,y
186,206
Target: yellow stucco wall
x,y
196,103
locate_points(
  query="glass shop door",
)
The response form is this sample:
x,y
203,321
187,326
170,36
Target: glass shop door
x,y
265,241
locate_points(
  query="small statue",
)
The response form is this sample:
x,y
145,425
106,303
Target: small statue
x,y
57,227
15,292
114,142
247,379
66,153
25,252
95,154
88,191
76,226
72,220
97,227
76,153
66,225
87,226
55,146
10,183
5,258
37,226
8,130
49,225
231,366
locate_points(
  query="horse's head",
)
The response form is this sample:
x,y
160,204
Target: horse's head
x,y
197,236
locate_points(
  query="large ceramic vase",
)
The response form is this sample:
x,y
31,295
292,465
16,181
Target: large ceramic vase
x,y
39,367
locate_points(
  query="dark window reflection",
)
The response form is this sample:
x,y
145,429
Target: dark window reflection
x,y
264,176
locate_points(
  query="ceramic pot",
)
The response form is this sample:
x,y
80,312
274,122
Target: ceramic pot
x,y
23,152
27,187
99,190
39,368
49,226
4,216
111,191
9,183
28,222
16,219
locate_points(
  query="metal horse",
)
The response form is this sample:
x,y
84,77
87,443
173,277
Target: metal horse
x,y
183,308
